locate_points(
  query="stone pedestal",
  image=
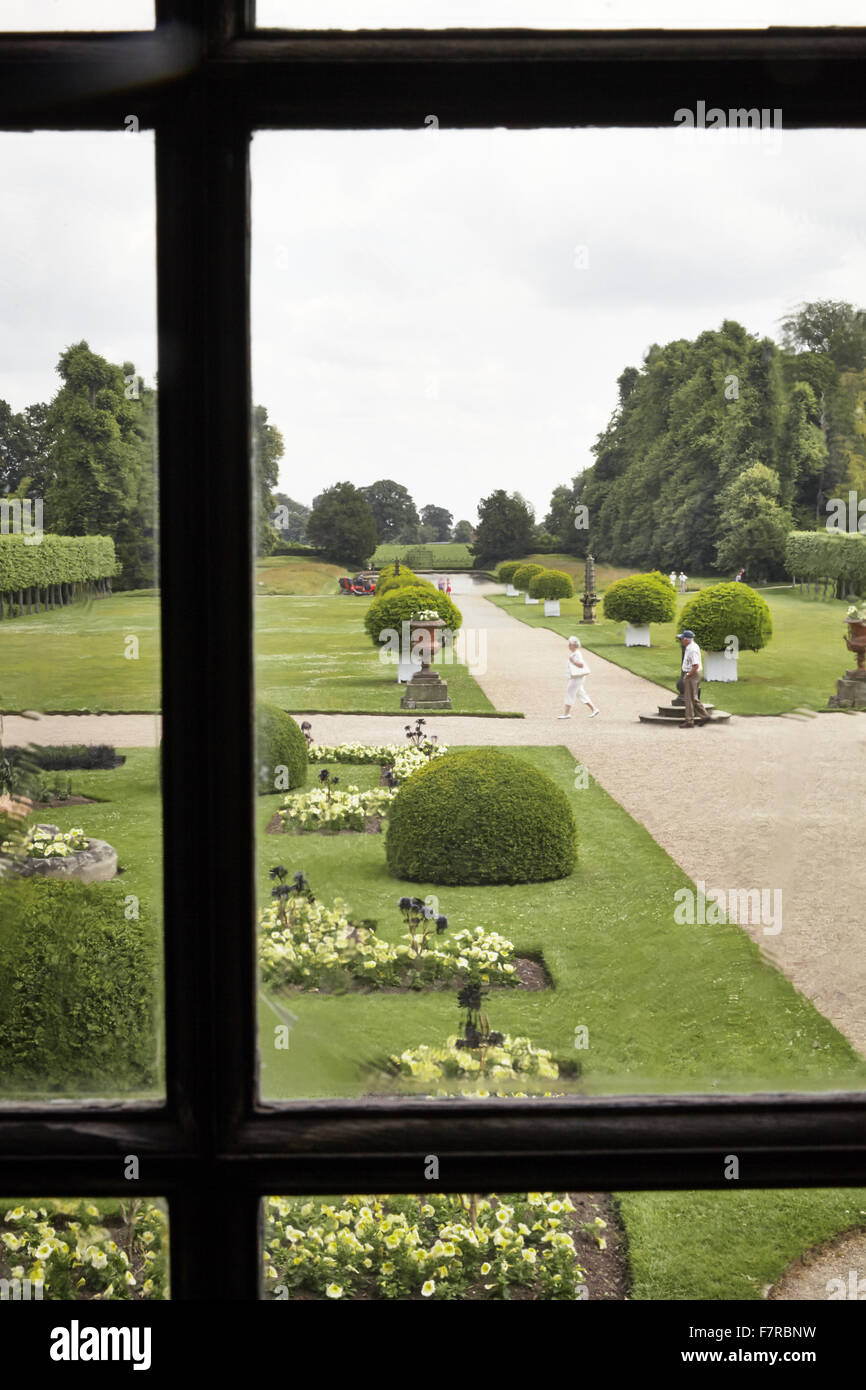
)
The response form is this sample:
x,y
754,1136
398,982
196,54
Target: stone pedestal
x,y
850,692
426,690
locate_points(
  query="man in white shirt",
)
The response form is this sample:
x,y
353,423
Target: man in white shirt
x,y
682,578
673,578
691,680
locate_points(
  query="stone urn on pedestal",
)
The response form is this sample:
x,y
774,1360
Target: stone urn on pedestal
x,y
426,689
851,689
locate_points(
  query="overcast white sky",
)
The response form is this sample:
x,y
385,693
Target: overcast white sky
x,y
439,305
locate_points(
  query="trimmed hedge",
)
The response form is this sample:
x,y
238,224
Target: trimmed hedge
x,y
728,610
78,989
390,610
507,570
279,744
640,599
90,757
480,816
551,584
523,574
53,570
827,556
386,580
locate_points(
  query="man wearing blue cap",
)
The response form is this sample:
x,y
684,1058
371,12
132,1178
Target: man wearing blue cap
x,y
691,680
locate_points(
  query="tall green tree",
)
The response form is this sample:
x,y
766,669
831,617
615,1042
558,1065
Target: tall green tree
x,y
24,442
394,512
505,529
101,457
463,532
829,326
342,525
753,524
290,519
439,522
268,449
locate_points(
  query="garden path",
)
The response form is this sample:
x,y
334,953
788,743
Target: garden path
x,y
760,802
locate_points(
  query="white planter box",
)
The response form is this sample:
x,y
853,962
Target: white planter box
x,y
531,600
511,592
406,670
637,636
718,666
551,608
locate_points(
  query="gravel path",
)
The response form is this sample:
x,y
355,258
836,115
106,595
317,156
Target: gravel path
x,y
760,802
809,1278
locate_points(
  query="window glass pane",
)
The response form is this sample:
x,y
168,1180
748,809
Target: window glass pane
x,y
473,347
61,1248
80,888
35,15
553,14
731,1246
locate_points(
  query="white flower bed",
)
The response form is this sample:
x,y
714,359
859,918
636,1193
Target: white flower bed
x,y
319,948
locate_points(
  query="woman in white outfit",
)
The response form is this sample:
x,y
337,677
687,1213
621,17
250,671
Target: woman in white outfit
x,y
577,671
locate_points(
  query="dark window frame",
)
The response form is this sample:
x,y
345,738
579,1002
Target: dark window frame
x,y
205,80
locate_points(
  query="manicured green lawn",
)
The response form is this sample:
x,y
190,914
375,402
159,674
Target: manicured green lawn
x,y
799,666
728,1245
455,554
313,654
73,659
295,574
668,1007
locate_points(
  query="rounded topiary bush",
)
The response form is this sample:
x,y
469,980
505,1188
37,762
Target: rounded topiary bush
x,y
78,989
387,579
279,744
390,610
551,584
506,571
640,599
480,816
523,574
722,611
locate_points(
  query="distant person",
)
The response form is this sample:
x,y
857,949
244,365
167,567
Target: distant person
x,y
740,576
577,672
441,585
682,582
692,680
448,587
673,578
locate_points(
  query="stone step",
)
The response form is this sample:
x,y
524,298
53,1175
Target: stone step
x,y
717,717
677,711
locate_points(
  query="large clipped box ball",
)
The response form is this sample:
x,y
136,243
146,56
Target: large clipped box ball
x,y
281,750
480,816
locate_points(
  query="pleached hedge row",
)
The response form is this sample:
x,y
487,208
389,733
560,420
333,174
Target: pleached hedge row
x,y
836,559
51,571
